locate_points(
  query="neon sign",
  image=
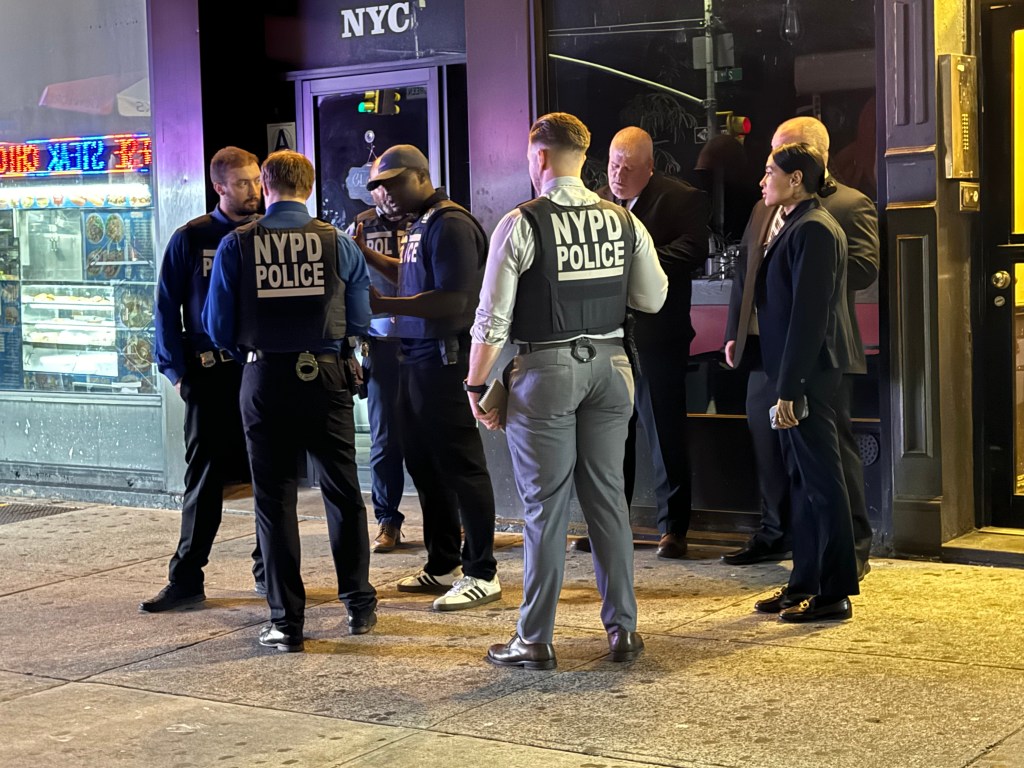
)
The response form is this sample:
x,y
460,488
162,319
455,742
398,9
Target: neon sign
x,y
77,156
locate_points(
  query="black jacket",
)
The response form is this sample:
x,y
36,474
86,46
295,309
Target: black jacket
x,y
858,219
800,294
676,215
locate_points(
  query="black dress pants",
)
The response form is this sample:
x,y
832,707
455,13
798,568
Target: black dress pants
x,y
775,501
445,458
214,455
853,471
772,478
285,417
660,408
824,560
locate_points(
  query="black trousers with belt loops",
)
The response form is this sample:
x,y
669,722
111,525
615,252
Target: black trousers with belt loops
x,y
284,416
215,454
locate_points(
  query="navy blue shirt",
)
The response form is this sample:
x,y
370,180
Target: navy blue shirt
x,y
220,315
181,291
449,257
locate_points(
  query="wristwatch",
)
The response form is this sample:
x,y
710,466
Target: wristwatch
x,y
476,389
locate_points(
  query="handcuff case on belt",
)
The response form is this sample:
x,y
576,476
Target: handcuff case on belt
x,y
306,367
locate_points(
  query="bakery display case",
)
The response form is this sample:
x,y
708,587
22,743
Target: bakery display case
x,y
77,265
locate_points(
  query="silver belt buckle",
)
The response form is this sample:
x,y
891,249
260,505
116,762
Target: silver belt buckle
x,y
306,367
207,359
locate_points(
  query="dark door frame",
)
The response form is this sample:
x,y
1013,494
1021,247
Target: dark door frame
x,y
998,249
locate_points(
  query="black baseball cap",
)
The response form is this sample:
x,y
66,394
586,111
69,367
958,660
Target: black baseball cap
x,y
397,160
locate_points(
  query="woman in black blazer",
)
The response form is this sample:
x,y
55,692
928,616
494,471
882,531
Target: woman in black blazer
x,y
800,295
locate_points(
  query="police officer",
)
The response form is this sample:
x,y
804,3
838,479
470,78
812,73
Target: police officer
x,y
438,283
561,270
383,229
284,293
207,378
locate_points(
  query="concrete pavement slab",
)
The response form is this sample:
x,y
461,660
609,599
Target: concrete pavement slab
x,y
98,538
412,670
918,610
1009,753
440,750
97,725
86,625
747,705
12,685
21,577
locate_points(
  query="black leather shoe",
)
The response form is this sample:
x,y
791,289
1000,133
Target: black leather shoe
x,y
581,544
813,610
624,645
672,547
517,653
272,637
362,623
755,552
779,601
172,596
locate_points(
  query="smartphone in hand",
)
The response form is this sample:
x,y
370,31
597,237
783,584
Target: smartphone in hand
x,y
800,410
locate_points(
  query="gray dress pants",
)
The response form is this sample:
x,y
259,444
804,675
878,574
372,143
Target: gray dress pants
x,y
567,423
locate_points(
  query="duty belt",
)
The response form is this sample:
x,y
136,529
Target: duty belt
x,y
307,365
211,357
582,349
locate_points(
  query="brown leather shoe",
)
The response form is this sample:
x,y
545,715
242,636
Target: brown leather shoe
x,y
581,544
672,547
517,653
624,645
388,537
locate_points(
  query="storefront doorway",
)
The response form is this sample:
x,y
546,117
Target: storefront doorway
x,y
1001,267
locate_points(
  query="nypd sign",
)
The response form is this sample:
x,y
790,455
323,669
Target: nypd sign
x,y
588,244
289,264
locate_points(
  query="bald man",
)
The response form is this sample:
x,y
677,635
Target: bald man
x,y
857,216
676,215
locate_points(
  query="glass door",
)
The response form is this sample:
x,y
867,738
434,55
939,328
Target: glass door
x,y
347,121
1001,280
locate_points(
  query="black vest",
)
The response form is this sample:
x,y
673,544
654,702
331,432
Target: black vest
x,y
577,282
385,237
291,295
416,275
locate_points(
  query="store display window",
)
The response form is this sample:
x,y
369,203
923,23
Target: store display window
x,y
77,265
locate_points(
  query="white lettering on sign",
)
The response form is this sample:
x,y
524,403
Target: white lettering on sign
x,y
387,17
289,264
411,251
588,244
208,255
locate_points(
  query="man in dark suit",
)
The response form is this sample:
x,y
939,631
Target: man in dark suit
x,y
857,218
676,215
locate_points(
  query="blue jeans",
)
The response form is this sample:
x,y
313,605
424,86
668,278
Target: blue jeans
x,y
387,477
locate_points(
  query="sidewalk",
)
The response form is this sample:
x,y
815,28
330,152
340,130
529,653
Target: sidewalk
x,y
929,673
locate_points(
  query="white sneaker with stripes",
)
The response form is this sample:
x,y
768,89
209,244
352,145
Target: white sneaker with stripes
x,y
425,582
469,592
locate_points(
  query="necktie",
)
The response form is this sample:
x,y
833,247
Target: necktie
x,y
777,223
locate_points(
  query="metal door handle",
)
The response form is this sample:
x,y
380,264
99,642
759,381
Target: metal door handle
x,y
1001,279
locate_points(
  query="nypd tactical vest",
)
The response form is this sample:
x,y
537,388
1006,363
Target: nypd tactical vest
x,y
577,282
385,237
291,296
415,275
202,236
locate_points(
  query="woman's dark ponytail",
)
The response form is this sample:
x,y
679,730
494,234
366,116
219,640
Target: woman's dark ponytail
x,y
806,159
827,187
